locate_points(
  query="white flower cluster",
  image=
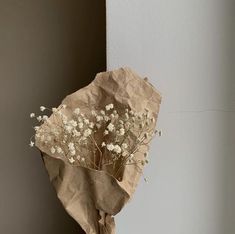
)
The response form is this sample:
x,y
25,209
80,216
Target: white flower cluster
x,y
96,139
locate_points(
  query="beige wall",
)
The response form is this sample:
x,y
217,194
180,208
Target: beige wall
x,y
48,49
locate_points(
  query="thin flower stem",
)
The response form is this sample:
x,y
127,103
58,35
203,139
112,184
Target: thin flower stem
x,y
94,141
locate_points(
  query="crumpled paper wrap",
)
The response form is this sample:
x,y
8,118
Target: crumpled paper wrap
x,y
90,196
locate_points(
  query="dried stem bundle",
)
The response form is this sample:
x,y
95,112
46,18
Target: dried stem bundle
x,y
105,139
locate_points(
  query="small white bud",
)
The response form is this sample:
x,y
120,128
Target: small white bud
x,y
32,115
42,108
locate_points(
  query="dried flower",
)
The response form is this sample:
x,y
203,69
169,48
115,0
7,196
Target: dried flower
x,y
91,125
110,147
122,131
71,160
109,107
32,115
45,117
68,136
39,118
99,118
110,127
117,149
52,150
59,150
86,121
42,108
31,144
124,145
80,125
87,132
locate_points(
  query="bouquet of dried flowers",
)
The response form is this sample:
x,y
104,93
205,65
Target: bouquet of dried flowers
x,y
91,139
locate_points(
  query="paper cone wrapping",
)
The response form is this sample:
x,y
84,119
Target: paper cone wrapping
x,y
90,196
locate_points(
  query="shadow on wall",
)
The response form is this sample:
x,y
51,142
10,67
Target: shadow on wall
x,y
48,49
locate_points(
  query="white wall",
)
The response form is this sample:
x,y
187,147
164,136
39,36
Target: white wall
x,y
186,48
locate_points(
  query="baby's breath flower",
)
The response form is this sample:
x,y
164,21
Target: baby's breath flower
x,y
73,123
72,152
76,133
87,132
76,111
31,144
106,118
122,131
36,128
71,160
103,144
110,147
124,145
91,125
71,146
80,125
131,156
59,150
54,109
86,121
112,116
32,115
99,118
52,150
42,108
39,118
80,119
83,159
110,127
78,157
117,149
109,107
45,117
102,112
68,128
106,132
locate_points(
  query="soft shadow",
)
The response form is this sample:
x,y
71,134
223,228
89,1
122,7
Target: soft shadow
x,y
48,49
